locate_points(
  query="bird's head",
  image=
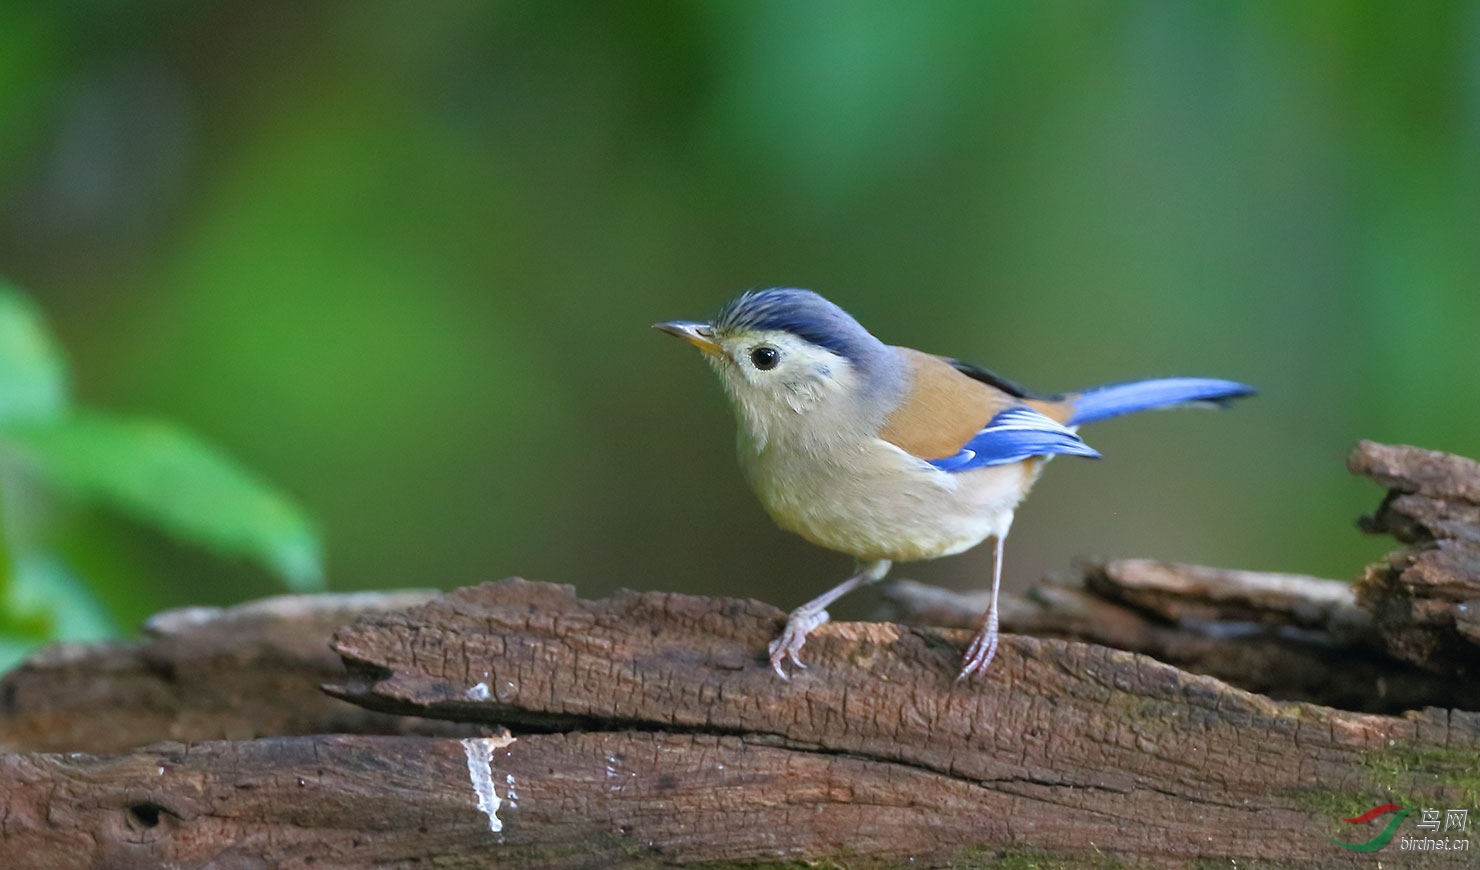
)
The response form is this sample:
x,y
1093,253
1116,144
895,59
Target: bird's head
x,y
793,362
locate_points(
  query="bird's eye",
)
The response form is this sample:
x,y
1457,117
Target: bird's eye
x,y
765,357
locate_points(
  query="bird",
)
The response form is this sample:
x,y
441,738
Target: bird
x,y
890,454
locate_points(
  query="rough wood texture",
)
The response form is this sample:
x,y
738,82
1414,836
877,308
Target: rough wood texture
x,y
646,730
1425,599
1287,637
202,673
1066,748
597,799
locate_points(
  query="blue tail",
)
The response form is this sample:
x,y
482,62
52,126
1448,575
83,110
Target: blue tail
x,y
1116,399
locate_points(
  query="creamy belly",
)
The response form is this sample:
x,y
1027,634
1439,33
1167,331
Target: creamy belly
x,y
874,501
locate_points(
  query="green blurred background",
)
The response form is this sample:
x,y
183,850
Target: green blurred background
x,y
401,259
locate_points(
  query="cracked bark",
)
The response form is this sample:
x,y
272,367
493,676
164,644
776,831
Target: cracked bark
x,y
647,730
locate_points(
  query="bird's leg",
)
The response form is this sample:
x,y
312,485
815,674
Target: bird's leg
x,y
814,613
984,645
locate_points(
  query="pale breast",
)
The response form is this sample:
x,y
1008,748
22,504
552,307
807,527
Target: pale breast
x,y
874,501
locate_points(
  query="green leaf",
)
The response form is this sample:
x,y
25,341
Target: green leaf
x,y
47,593
168,478
33,376
46,602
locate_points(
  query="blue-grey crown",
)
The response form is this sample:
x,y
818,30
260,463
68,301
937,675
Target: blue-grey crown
x,y
803,314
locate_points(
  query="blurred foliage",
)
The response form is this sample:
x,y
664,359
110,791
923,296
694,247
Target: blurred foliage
x,y
402,257
153,471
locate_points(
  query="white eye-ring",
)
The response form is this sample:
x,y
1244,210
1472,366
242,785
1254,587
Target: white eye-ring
x,y
765,357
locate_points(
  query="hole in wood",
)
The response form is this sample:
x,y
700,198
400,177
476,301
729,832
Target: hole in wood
x,y
145,815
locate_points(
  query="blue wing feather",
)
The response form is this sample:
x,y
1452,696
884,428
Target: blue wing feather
x,y
1012,436
1116,399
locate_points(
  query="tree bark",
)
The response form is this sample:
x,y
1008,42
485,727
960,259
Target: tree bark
x,y
201,673
1425,599
646,729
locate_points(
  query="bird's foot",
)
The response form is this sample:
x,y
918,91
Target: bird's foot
x,y
983,648
790,641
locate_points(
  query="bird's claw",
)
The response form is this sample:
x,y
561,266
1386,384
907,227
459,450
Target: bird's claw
x,y
789,643
981,652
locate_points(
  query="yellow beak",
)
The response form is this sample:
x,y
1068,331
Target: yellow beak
x,y
699,334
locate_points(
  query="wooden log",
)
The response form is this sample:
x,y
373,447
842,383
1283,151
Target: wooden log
x,y
647,730
582,799
202,673
1069,749
1425,599
1136,605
